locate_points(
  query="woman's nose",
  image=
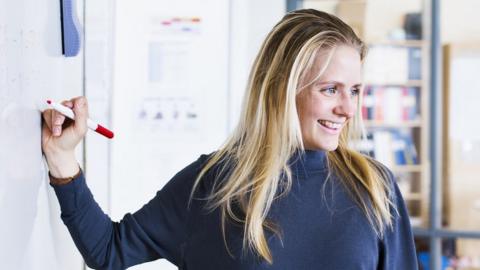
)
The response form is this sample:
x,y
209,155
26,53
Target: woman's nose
x,y
346,106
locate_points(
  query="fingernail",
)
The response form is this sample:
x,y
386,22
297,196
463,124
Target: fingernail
x,y
81,102
56,131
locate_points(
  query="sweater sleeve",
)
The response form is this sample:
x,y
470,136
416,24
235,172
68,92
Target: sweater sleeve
x,y
397,247
157,230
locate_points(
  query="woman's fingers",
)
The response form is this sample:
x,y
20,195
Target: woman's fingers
x,y
68,103
58,119
56,127
60,133
57,122
47,116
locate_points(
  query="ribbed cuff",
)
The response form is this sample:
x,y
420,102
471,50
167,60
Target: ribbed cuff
x,y
64,181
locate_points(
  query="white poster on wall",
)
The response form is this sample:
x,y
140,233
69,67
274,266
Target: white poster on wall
x,y
170,96
464,97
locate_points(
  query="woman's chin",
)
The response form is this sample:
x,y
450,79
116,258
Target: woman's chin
x,y
325,146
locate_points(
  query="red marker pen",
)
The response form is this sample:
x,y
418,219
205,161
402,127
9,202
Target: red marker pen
x,y
91,124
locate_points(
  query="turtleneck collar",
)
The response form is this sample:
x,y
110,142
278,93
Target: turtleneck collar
x,y
309,160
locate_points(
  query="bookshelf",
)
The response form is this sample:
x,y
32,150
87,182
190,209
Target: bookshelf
x,y
395,112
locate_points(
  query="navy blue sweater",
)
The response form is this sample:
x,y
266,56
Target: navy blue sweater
x,y
321,227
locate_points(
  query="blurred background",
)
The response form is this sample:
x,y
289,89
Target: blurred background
x,y
168,78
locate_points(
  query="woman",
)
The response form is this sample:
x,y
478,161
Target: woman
x,y
283,192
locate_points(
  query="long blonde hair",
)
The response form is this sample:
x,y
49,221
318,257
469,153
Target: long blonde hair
x,y
268,134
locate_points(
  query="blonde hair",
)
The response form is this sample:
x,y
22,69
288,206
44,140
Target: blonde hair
x,y
256,155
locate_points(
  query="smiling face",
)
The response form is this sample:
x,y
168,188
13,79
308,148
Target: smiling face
x,y
329,101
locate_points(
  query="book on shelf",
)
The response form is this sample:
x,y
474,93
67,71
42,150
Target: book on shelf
x,y
392,147
414,63
392,105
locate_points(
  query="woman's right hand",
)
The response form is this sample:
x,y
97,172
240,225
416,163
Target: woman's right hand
x,y
61,135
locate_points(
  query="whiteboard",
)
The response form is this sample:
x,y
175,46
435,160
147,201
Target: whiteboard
x,y
31,69
462,142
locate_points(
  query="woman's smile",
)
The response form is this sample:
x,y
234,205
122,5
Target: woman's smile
x,y
333,128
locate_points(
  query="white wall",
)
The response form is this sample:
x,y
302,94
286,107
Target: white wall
x,y
250,23
460,21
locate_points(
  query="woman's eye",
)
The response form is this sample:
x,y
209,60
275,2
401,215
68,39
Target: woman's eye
x,y
355,92
329,91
